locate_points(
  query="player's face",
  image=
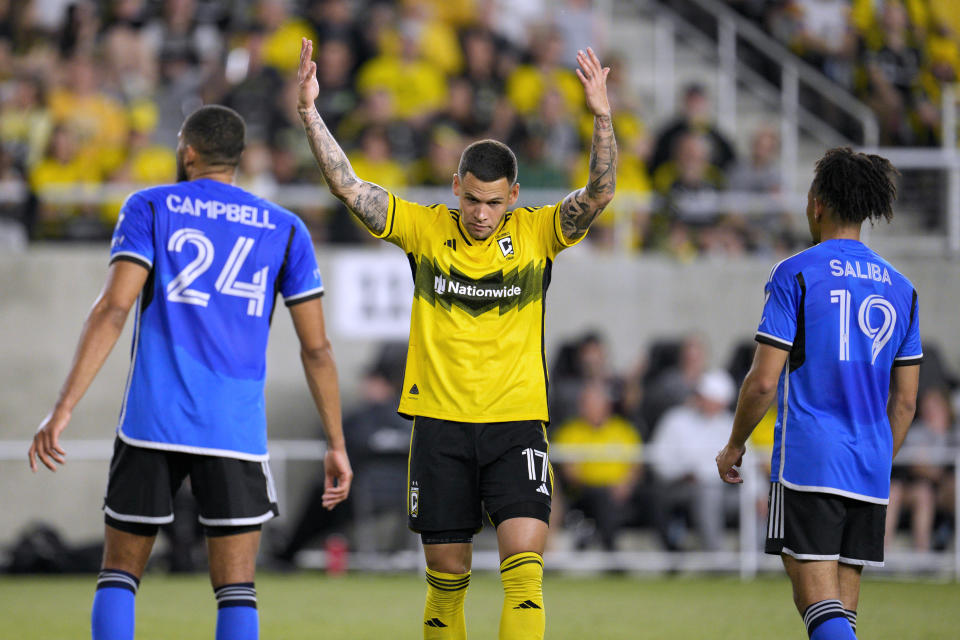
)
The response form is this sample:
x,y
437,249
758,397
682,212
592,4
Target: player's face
x,y
812,220
483,204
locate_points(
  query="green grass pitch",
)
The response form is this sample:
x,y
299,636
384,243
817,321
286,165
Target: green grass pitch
x,y
359,607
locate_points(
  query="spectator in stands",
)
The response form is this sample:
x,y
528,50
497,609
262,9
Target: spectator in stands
x,y
333,20
760,173
282,32
893,63
416,87
255,85
601,489
674,375
919,484
334,66
697,117
682,448
442,158
820,32
65,168
689,186
374,161
527,84
458,114
178,33
25,121
95,117
130,59
539,169
480,58
581,361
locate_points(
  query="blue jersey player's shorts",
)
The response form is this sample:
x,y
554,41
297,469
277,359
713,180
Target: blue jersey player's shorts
x,y
232,495
458,470
809,525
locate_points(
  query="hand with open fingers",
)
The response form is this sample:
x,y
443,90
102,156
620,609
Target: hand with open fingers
x,y
593,77
338,476
46,442
728,464
308,86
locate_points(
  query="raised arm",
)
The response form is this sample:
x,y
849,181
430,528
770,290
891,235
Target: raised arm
x,y
581,208
366,200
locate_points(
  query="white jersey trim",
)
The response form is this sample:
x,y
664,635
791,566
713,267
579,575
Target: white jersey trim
x,y
862,563
122,517
916,357
183,448
809,556
775,338
235,522
304,294
833,491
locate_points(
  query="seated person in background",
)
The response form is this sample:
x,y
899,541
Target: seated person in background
x,y
378,439
601,489
681,451
918,485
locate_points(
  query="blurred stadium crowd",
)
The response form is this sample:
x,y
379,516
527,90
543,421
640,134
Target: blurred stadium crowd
x,y
895,55
93,93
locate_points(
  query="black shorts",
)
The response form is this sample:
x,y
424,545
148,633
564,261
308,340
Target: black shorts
x,y
822,526
458,470
229,492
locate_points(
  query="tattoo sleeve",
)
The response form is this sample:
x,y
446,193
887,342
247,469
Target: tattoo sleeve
x,y
367,201
581,208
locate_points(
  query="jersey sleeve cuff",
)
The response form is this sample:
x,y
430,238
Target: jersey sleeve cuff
x,y
130,256
559,231
906,361
773,341
388,223
303,297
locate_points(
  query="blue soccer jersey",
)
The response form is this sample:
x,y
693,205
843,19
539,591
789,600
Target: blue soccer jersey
x,y
217,257
847,317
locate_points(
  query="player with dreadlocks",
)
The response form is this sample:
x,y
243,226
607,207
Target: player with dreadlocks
x,y
839,347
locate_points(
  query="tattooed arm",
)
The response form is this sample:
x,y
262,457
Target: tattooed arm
x,y
366,200
581,208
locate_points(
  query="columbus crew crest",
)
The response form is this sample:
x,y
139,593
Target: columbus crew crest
x,y
506,246
414,500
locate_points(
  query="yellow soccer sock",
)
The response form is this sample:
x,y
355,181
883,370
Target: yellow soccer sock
x,y
443,614
523,617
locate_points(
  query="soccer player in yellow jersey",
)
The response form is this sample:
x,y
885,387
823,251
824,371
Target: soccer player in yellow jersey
x,y
475,381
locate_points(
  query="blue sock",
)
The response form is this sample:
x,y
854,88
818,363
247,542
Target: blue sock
x,y
113,605
827,620
237,612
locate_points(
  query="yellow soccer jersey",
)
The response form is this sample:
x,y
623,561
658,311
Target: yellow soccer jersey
x,y
476,350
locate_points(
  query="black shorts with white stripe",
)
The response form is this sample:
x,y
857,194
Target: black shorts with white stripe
x,y
232,495
822,526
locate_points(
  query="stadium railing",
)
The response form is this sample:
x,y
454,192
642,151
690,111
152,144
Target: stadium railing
x,y
747,559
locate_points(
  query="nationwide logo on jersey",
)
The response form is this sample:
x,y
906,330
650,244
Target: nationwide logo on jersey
x,y
506,246
500,290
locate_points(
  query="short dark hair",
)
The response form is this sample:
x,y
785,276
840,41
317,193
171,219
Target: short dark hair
x,y
855,186
216,133
488,160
